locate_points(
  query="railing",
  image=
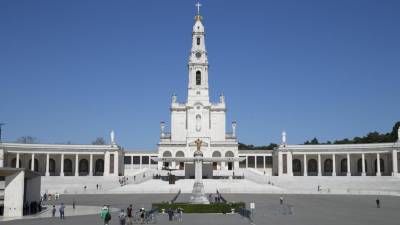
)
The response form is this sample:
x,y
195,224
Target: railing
x,y
165,136
230,136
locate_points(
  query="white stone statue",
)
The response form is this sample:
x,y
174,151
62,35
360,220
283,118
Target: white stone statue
x,y
221,98
198,123
234,128
112,136
174,98
283,138
162,128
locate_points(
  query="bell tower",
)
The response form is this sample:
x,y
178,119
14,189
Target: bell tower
x,y
198,63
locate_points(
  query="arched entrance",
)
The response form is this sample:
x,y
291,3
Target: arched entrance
x,y
343,166
215,154
99,167
52,167
328,167
296,167
67,167
312,169
83,167
229,154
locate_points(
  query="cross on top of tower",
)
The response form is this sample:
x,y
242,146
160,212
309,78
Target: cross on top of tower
x,y
198,5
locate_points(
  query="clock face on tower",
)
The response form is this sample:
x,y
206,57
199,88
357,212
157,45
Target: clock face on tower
x,y
198,55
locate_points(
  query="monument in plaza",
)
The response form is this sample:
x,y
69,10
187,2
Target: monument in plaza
x,y
198,194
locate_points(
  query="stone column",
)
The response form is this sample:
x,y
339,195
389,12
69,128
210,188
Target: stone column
x,y
333,165
91,165
62,165
289,159
116,163
255,162
305,165
47,164
394,163
33,162
348,165
106,164
319,165
140,162
17,162
264,161
280,164
132,162
247,161
223,166
378,165
363,164
76,165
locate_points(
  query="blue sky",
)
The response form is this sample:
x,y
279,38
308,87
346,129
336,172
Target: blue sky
x,y
73,70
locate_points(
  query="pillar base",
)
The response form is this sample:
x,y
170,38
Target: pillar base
x,y
394,174
304,175
363,174
90,174
47,174
378,174
348,174
319,174
333,174
61,174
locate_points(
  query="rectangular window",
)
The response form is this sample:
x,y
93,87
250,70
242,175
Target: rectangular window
x,y
145,160
198,41
251,161
111,163
260,162
127,160
136,160
268,161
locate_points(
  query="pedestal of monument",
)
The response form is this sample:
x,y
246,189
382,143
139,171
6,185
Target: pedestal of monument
x,y
198,194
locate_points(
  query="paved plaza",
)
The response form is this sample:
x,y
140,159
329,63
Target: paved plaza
x,y
297,209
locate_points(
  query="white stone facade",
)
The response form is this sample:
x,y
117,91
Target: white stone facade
x,y
198,118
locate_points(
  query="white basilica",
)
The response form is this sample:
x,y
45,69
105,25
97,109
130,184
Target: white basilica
x,y
198,118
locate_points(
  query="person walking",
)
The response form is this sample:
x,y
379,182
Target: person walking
x,y
53,211
122,217
62,210
281,200
129,219
105,214
378,203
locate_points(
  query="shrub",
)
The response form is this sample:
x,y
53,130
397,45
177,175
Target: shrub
x,y
200,208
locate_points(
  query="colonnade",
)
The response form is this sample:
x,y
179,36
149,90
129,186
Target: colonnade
x,y
109,161
286,159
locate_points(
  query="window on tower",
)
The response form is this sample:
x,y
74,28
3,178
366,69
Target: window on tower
x,y
198,78
198,41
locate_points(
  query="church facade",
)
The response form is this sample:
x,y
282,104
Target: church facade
x,y
199,118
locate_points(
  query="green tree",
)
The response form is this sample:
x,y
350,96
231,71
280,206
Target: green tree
x,y
27,140
99,141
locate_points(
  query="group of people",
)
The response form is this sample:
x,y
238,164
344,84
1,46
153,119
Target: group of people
x,y
123,181
61,210
32,207
175,215
125,217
